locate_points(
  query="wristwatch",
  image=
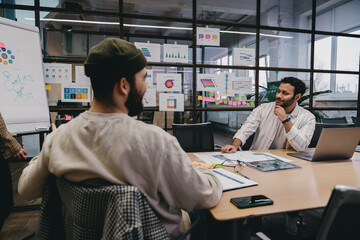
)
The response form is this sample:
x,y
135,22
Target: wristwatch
x,y
286,120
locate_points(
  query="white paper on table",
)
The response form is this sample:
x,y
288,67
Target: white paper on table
x,y
233,158
231,180
215,158
248,156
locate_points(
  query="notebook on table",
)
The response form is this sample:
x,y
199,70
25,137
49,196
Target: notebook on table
x,y
333,144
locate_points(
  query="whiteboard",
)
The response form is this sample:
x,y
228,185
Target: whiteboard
x,y
23,101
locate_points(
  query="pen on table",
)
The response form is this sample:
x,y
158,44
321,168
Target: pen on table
x,y
241,163
243,175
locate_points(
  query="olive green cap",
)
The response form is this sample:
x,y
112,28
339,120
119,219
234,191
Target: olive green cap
x,y
114,56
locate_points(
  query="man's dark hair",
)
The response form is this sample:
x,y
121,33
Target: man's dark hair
x,y
103,86
297,83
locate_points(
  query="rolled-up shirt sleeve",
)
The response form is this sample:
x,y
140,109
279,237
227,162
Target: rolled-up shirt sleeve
x,y
33,178
299,137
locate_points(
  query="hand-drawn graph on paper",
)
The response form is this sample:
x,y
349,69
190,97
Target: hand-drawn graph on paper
x,y
17,85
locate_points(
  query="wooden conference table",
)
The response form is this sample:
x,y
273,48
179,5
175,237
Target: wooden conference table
x,y
303,188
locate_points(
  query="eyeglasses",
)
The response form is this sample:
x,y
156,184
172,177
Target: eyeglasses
x,y
239,167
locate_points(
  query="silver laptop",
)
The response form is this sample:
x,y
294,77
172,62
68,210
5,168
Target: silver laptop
x,y
333,144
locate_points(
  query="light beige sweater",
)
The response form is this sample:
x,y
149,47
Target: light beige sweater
x,y
123,150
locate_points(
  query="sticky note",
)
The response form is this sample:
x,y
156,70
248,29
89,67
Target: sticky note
x,y
237,98
234,103
248,104
252,103
216,95
199,97
67,117
212,99
225,101
220,100
48,87
242,98
230,102
238,102
2,45
211,94
243,102
217,102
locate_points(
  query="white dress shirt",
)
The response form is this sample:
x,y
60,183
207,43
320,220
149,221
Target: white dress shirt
x,y
270,132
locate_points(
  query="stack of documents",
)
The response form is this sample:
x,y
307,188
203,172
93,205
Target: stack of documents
x,y
233,158
231,181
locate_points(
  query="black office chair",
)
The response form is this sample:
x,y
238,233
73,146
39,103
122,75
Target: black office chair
x,y
248,142
194,137
356,121
335,120
341,216
6,200
316,135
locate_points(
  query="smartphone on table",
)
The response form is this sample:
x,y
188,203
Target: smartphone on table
x,y
251,201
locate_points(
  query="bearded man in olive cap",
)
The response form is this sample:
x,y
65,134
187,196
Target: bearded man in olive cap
x,y
105,142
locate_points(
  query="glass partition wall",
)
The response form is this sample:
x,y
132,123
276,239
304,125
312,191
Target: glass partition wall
x,y
229,53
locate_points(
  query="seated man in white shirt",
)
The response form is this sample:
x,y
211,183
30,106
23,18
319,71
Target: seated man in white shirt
x,y
106,142
280,124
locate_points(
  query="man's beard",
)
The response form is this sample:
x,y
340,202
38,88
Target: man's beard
x,y
286,103
134,103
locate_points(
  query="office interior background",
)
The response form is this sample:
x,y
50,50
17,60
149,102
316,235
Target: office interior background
x,y
317,41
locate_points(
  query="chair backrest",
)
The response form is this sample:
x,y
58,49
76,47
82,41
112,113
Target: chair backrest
x,y
341,216
96,209
248,142
335,120
316,135
356,121
194,137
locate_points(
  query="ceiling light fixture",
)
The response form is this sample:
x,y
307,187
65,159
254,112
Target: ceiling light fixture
x,y
152,26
